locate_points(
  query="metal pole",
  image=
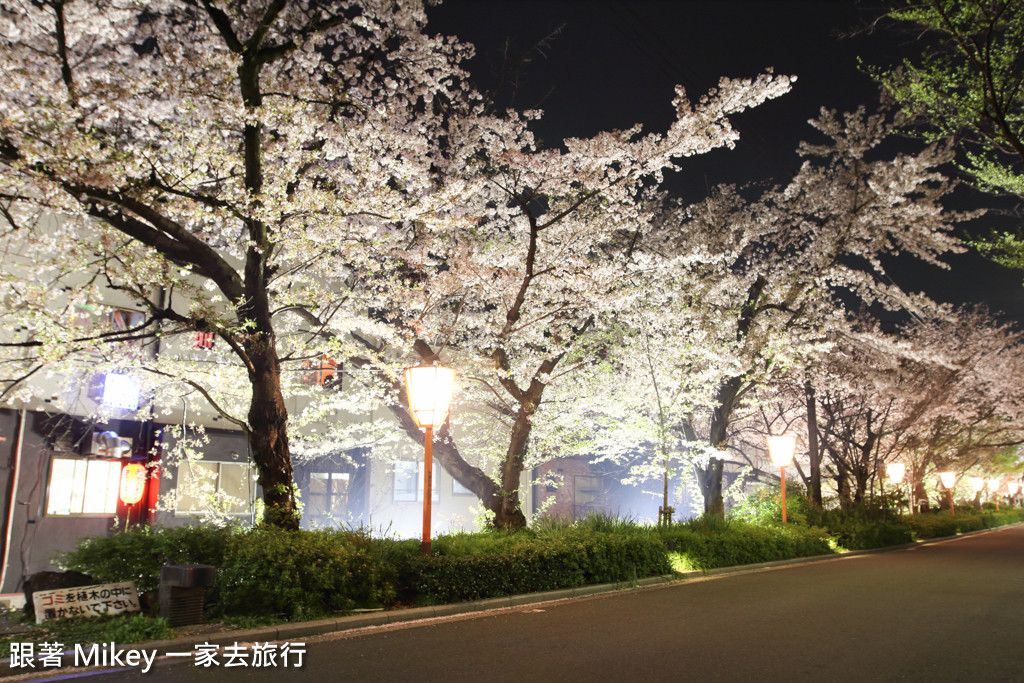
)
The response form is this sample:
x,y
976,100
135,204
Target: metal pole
x,y
428,464
783,468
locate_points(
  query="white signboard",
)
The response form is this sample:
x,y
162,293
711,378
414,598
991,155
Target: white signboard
x,y
86,601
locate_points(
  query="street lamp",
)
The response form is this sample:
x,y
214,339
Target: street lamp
x,y
780,449
897,471
430,389
949,480
978,484
993,486
1012,487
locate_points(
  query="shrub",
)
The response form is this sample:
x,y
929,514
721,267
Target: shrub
x,y
302,574
705,544
139,553
493,564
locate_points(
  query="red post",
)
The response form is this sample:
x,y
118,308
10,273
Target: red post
x,y
428,465
783,468
952,512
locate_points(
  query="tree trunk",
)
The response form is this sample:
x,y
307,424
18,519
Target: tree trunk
x,y
268,435
813,452
710,478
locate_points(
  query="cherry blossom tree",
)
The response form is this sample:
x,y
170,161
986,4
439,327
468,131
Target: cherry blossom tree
x,y
218,165
775,267
308,180
934,394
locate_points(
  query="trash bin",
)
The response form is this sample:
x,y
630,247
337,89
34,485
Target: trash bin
x,y
182,587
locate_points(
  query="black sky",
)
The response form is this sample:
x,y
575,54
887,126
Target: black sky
x,y
612,63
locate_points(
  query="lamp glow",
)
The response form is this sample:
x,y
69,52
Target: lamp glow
x,y
896,471
977,483
993,486
133,483
430,389
780,450
948,481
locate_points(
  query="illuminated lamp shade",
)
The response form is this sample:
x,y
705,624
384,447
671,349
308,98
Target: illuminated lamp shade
x,y
1012,487
133,483
948,479
430,389
896,471
781,449
977,483
994,484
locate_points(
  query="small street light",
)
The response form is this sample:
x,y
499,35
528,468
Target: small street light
x,y
978,484
430,389
1013,487
948,481
781,449
897,471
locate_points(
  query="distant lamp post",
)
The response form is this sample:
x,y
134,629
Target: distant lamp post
x,y
781,449
430,389
949,481
978,485
1013,487
897,471
993,486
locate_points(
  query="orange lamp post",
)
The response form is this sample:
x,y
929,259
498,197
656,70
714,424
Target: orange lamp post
x,y
948,481
781,449
430,389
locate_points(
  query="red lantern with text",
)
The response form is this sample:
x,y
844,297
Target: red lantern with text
x,y
133,483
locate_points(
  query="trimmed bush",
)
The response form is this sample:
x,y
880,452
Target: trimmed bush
x,y
139,553
707,544
487,565
303,574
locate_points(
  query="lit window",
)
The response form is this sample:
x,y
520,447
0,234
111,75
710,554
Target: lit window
x,y
328,494
225,487
83,486
409,481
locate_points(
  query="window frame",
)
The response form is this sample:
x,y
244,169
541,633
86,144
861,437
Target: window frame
x,y
113,487
435,492
220,464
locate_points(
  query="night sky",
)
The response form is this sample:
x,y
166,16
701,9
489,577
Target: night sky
x,y
611,64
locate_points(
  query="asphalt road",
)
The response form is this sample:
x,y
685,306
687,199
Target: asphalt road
x,y
951,611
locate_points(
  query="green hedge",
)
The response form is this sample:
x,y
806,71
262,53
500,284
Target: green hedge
x,y
735,542
304,574
138,554
296,575
487,565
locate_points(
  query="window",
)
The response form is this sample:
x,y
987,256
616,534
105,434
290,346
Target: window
x,y
83,486
328,494
409,481
206,486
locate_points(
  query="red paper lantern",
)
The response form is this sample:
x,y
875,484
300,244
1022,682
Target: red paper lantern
x,y
133,483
